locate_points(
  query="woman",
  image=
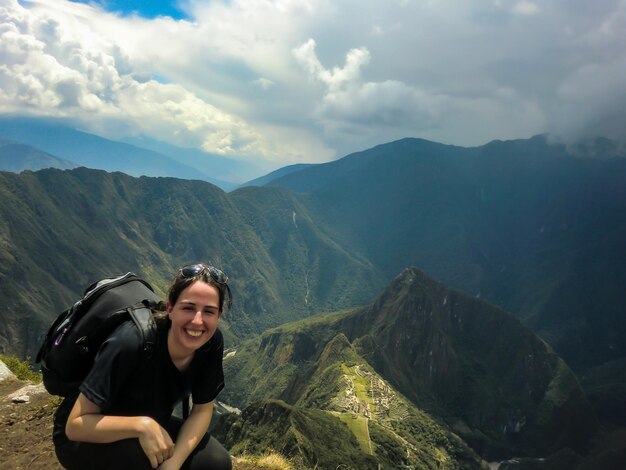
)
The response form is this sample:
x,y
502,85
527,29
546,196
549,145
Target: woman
x,y
122,416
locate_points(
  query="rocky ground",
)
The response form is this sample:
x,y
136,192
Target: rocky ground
x,y
26,429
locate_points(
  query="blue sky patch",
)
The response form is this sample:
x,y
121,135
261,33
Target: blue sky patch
x,y
145,8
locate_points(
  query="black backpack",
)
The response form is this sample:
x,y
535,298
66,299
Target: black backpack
x,y
70,347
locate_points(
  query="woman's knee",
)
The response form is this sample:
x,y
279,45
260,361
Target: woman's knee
x,y
210,455
123,455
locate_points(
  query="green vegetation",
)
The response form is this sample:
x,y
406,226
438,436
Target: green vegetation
x,y
62,230
456,359
390,450
541,254
22,369
562,385
269,460
336,242
359,427
491,222
331,377
605,387
314,437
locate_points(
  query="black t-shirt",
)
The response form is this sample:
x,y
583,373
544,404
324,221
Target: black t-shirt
x,y
123,382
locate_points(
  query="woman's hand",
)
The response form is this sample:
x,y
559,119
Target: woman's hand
x,y
87,424
155,442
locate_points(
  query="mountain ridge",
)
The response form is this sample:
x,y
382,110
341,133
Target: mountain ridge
x,y
521,223
62,230
501,400
449,331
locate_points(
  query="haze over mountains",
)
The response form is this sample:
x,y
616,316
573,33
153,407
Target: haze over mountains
x,y
525,225
149,157
17,157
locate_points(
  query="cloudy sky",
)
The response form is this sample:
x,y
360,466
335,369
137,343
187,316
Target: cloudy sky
x,y
287,81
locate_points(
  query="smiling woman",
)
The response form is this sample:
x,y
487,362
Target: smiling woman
x,y
151,9
121,416
193,322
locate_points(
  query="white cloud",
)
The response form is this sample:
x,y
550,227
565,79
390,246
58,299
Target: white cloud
x,y
350,100
77,72
309,80
338,77
351,107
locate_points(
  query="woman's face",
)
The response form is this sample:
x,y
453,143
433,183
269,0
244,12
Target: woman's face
x,y
194,318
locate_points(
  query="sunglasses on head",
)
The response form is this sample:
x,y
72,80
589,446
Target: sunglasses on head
x,y
217,275
193,270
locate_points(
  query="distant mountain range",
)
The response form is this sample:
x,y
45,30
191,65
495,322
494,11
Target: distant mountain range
x,y
276,174
522,226
141,157
16,157
229,172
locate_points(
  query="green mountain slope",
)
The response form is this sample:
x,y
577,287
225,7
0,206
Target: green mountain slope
x,y
265,179
61,230
346,400
312,262
472,366
313,438
523,224
520,224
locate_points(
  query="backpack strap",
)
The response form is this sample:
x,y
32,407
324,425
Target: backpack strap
x,y
143,319
185,403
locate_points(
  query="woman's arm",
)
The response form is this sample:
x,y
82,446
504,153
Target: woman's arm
x,y
192,431
87,423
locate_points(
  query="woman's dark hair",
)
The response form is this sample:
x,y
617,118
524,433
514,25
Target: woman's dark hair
x,y
181,282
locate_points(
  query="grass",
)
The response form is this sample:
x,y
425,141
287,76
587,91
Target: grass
x,y
21,369
270,460
359,427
